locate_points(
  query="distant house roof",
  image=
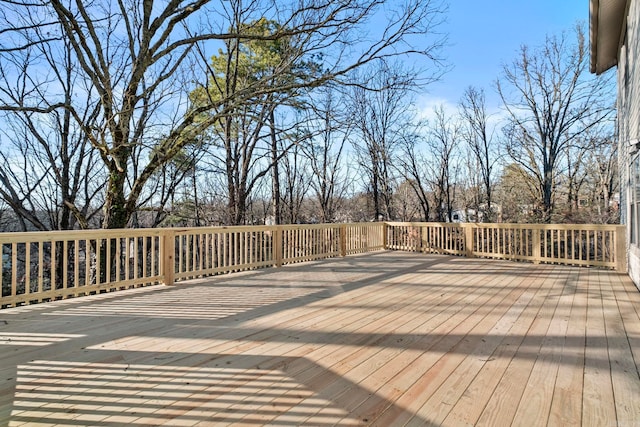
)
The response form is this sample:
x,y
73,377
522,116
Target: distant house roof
x,y
607,25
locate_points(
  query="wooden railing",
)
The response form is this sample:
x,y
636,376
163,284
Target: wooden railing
x,y
46,266
571,244
204,251
40,266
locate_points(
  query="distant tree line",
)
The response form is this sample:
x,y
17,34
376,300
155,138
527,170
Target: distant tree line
x,y
207,113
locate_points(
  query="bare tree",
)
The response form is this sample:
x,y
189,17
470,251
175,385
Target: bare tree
x,y
380,117
479,135
52,179
330,127
517,192
138,57
406,205
592,178
574,175
604,166
413,166
443,139
551,99
470,195
296,181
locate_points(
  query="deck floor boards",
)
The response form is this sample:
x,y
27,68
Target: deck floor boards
x,y
388,338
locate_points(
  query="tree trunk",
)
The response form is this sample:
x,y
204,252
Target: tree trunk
x,y
116,214
275,174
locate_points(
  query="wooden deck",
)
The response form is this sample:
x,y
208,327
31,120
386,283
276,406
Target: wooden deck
x,y
389,338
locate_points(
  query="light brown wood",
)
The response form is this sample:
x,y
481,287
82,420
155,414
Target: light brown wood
x,y
620,354
566,407
598,406
377,339
167,257
535,403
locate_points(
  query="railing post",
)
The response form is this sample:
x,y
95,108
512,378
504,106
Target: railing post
x,y
535,245
424,239
468,240
621,248
168,243
277,246
385,236
343,240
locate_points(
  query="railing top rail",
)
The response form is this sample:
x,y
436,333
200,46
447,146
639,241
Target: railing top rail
x,y
603,227
60,235
423,224
243,228
48,236
56,235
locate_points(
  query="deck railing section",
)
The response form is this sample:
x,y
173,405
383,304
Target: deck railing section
x,y
309,242
571,244
364,237
442,238
53,265
205,251
44,266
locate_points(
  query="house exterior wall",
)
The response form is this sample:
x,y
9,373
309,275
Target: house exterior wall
x,y
629,136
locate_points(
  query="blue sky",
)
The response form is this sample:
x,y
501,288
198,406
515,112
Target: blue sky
x,y
484,34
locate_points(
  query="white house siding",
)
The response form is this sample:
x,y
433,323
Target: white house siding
x,y
629,132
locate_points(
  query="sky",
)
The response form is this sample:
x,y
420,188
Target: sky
x,y
485,34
